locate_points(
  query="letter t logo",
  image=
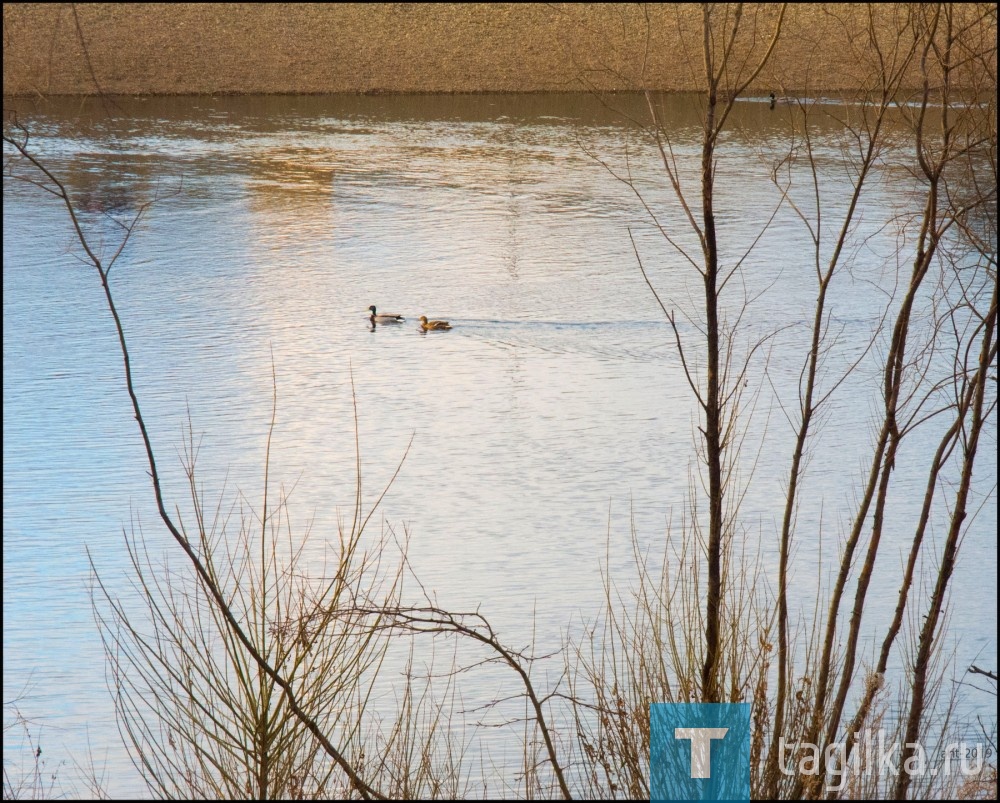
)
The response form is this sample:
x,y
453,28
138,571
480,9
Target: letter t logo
x,y
701,748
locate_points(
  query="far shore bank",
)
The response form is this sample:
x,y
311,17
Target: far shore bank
x,y
390,48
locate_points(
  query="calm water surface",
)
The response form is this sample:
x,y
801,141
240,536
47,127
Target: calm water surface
x,y
553,413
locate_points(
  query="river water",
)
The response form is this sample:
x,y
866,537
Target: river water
x,y
547,424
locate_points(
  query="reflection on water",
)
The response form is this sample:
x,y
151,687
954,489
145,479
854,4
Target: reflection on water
x,y
554,412
291,176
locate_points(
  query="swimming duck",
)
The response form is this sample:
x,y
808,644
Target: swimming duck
x,y
428,326
376,318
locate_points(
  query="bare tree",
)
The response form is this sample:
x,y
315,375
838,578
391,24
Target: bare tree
x,y
30,168
947,134
299,656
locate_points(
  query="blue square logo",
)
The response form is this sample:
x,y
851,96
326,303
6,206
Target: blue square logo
x,y
699,751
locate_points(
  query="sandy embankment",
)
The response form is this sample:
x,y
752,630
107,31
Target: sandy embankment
x,y
311,48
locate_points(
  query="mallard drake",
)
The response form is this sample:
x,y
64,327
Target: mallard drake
x,y
428,326
376,318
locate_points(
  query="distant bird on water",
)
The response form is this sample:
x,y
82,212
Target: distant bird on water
x,y
376,318
429,326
